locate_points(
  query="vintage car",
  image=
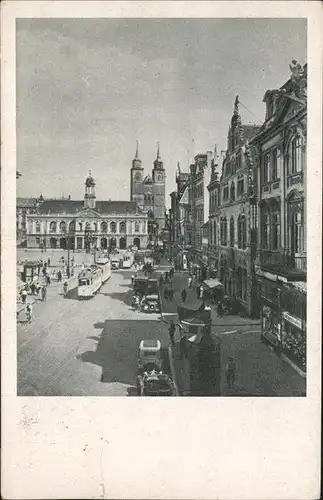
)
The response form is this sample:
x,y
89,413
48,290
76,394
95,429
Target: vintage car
x,y
150,303
149,356
155,383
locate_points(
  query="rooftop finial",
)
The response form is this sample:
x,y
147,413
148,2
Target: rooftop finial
x,y
137,151
236,106
158,153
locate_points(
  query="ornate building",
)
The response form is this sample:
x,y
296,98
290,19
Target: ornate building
x,y
24,207
278,154
232,222
88,223
149,191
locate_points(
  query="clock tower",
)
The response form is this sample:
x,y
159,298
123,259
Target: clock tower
x,y
159,190
136,179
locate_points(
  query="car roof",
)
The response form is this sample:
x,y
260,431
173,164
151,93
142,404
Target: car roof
x,y
150,344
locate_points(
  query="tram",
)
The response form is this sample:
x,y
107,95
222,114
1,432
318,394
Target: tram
x,y
89,281
104,263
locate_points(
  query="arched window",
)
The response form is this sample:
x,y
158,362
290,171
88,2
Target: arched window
x,y
62,227
232,191
136,227
113,227
53,227
37,226
87,226
231,232
122,227
95,226
71,226
295,155
104,227
80,225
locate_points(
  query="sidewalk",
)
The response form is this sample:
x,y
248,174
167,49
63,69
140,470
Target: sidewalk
x,y
260,372
179,282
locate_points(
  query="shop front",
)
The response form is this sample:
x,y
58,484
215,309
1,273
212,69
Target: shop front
x,y
294,339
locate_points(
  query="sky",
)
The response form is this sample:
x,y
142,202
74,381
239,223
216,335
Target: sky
x,y
88,89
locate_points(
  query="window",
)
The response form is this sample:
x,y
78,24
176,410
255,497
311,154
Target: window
x,y
104,227
136,227
37,240
240,187
71,226
87,227
232,192
265,230
297,232
266,168
214,234
113,227
276,231
62,227
37,226
80,226
231,232
95,226
223,231
296,155
52,227
276,165
225,193
122,227
242,231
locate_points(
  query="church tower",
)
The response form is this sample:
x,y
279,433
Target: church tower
x,y
158,176
136,179
89,196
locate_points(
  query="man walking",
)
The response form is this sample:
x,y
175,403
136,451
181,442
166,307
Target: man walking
x,y
184,295
171,330
231,370
29,311
24,295
65,288
189,281
171,294
44,293
201,292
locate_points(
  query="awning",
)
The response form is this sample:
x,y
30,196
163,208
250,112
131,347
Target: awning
x,y
213,283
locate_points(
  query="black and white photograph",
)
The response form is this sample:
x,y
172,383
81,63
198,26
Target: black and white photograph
x,y
161,207
161,175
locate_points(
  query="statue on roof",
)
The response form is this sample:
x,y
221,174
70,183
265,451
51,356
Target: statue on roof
x,y
299,81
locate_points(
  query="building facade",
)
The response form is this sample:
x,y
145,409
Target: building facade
x,y
149,191
200,175
232,220
88,223
24,207
279,155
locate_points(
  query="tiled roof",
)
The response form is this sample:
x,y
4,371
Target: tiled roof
x,y
26,202
249,131
74,206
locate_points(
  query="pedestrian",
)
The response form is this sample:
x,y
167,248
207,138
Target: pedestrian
x,y
59,276
184,295
65,288
219,309
24,295
44,293
47,279
37,288
44,271
201,292
189,281
171,330
29,311
33,288
166,293
198,291
132,279
171,294
48,261
231,370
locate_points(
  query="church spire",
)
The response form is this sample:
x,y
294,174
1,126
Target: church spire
x,y
158,164
137,151
236,106
158,158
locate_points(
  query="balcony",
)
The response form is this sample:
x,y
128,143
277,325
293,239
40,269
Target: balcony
x,y
283,262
